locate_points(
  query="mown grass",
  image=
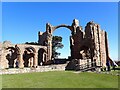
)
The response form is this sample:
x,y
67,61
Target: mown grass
x,y
60,79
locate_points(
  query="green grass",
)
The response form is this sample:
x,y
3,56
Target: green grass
x,y
60,79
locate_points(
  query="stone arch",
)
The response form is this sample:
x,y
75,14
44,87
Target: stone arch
x,y
46,37
62,25
65,39
31,49
50,29
29,56
12,56
42,56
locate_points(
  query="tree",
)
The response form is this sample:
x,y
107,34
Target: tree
x,y
32,43
56,44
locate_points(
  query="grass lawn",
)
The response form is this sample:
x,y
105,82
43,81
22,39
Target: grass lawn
x,y
60,79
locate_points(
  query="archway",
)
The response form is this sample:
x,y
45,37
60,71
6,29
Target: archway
x,y
29,56
13,56
46,38
65,52
42,56
49,30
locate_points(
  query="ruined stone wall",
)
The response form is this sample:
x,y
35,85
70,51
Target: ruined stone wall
x,y
97,38
89,44
32,55
42,38
96,42
3,53
3,60
77,43
92,43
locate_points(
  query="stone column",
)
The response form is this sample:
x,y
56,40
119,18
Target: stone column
x,y
43,58
3,61
35,60
20,59
30,62
15,63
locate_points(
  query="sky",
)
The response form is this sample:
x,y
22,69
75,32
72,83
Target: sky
x,y
60,0
21,21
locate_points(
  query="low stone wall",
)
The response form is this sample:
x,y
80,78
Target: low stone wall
x,y
75,64
60,67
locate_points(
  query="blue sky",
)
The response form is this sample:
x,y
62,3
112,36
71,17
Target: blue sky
x,y
22,21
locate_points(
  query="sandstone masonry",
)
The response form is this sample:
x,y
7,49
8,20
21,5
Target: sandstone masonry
x,y
89,44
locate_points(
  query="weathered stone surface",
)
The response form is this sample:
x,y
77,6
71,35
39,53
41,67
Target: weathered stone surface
x,y
90,44
21,54
78,64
